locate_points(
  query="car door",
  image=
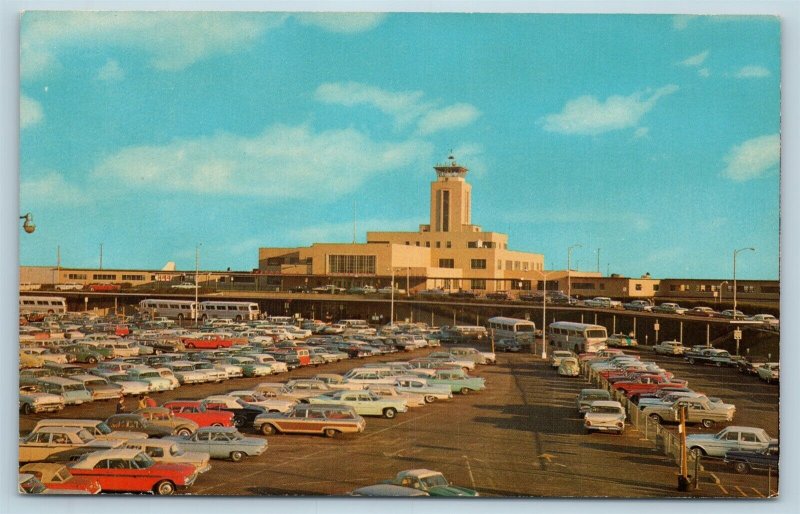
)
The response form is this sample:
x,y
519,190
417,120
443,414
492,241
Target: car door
x,y
749,441
36,447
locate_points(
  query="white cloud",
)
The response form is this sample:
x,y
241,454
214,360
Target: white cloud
x,y
641,132
346,23
174,40
754,158
30,112
749,72
111,72
695,60
704,72
53,189
588,116
282,162
404,106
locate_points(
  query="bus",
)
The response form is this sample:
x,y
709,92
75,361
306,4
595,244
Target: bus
x,y
469,331
237,311
520,330
42,304
577,337
172,309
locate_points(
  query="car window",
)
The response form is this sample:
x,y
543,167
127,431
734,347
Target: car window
x,y
732,436
749,437
155,451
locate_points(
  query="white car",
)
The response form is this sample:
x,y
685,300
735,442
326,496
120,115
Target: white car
x,y
605,416
669,348
556,356
265,399
767,319
420,386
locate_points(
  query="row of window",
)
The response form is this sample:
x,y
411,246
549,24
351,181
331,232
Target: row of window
x,y
352,264
712,288
470,244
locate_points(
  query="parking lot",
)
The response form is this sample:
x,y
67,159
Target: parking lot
x,y
519,437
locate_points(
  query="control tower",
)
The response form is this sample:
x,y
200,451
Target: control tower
x,y
451,198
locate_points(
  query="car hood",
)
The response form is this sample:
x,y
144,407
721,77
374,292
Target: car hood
x,y
451,490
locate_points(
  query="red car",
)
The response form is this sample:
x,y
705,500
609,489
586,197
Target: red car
x,y
57,476
198,413
646,384
209,341
133,471
104,288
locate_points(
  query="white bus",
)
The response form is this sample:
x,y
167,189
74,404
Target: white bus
x,y
521,330
172,309
42,304
577,337
237,311
469,331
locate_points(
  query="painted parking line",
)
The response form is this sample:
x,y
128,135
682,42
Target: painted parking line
x,y
722,488
740,491
757,492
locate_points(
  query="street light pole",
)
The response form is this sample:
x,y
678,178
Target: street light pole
x,y
391,311
544,314
735,253
569,270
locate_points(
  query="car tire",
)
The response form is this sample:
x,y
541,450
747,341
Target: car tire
x,y
183,432
389,413
691,360
331,432
164,488
465,390
267,429
217,424
91,360
430,398
239,422
708,423
236,456
27,409
741,467
655,417
698,450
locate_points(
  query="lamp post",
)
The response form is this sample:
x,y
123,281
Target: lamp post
x,y
28,225
569,269
196,283
735,253
720,290
544,314
391,310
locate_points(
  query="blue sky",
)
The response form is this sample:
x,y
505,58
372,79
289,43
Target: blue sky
x,y
653,138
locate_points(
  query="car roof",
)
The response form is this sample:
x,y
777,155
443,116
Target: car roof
x,y
606,403
60,429
594,391
217,429
421,473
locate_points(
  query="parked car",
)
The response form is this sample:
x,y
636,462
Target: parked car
x,y
507,345
329,420
33,400
569,367
605,416
587,396
164,417
730,438
705,312
557,355
638,305
131,471
603,302
431,482
767,319
197,412
243,413
268,400
100,387
186,372
57,478
137,423
73,392
769,372
461,352
670,308
99,429
365,403
389,392
745,461
621,340
458,380
733,314
698,410
221,443
714,356
669,348
430,393
60,444
168,452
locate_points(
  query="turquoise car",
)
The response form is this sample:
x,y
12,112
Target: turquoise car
x,y
364,402
458,381
431,482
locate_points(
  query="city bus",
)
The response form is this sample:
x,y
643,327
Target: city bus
x,y
172,309
520,330
42,304
577,337
237,311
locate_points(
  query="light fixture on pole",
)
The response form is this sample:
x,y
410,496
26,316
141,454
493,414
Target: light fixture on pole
x,y
569,270
28,225
735,253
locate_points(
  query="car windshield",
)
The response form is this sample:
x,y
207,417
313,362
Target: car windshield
x,y
434,481
74,387
150,374
597,396
33,486
85,436
595,333
175,451
142,461
602,409
103,428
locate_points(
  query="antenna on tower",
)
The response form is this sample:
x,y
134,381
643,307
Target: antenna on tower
x,y
450,157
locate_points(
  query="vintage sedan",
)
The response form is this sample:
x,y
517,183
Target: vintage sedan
x,y
605,416
330,420
126,470
137,423
569,367
99,429
587,396
431,482
243,413
621,340
463,362
221,443
744,461
186,372
705,312
268,400
365,403
197,412
389,392
478,357
73,392
420,386
249,366
60,444
57,478
156,382
730,438
733,314
129,387
769,372
169,452
32,399
100,387
164,417
507,345
556,356
457,380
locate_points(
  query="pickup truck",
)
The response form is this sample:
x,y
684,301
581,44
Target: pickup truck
x,y
713,356
698,410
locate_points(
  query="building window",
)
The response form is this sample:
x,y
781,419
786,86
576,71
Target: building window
x,y
427,244
76,276
771,289
102,276
133,278
499,264
524,285
417,243
448,244
516,265
447,263
478,263
582,285
445,211
408,243
352,264
525,266
655,287
438,244
638,287
673,287
478,283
